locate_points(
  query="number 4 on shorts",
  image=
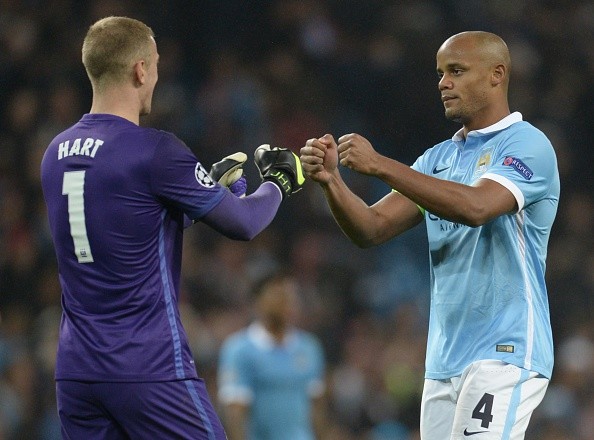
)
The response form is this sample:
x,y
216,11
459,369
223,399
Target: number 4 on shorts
x,y
484,410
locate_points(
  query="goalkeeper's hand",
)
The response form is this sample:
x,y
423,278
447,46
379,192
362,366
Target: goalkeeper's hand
x,y
280,166
229,172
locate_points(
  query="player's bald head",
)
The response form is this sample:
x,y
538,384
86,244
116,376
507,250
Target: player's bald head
x,y
487,47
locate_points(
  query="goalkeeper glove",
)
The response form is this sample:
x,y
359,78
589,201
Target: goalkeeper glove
x,y
280,166
229,172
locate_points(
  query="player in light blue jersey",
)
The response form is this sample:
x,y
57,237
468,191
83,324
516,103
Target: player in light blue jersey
x,y
489,197
271,374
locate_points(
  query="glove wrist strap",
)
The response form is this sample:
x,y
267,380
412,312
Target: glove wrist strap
x,y
281,179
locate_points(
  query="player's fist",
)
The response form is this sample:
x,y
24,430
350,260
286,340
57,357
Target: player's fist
x,y
319,158
228,170
280,166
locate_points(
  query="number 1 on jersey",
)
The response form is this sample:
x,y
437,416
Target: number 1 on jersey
x,y
74,187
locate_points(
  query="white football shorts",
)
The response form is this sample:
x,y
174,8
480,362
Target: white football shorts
x,y
491,400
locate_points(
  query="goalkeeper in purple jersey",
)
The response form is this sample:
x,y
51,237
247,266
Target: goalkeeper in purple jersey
x,y
118,197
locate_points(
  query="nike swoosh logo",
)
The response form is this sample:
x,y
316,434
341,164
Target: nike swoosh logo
x,y
439,170
469,433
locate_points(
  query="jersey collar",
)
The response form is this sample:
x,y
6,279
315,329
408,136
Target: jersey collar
x,y
500,125
263,339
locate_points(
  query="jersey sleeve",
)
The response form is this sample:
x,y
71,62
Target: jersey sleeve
x,y
526,165
316,386
235,374
419,164
178,178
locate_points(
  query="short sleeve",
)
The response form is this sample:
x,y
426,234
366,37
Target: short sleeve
x,y
234,375
419,164
526,165
316,385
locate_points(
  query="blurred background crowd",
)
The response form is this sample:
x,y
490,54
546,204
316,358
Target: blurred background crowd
x,y
235,74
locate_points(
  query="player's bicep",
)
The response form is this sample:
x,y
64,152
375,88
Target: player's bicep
x,y
497,197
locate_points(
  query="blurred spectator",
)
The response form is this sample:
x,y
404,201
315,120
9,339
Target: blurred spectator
x,y
271,373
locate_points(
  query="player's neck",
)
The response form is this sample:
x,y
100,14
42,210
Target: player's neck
x,y
487,119
277,332
118,102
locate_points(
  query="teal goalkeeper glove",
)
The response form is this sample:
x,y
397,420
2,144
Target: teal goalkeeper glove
x,y
280,166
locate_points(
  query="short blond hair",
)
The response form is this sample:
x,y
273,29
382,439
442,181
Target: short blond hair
x,y
112,46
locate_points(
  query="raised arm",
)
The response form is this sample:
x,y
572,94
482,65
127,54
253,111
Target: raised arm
x,y
365,225
472,205
242,218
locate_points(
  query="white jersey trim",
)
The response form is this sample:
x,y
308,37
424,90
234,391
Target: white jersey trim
x,y
502,124
528,292
264,340
509,185
235,394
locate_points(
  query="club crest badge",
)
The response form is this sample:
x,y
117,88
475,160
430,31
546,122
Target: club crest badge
x,y
484,161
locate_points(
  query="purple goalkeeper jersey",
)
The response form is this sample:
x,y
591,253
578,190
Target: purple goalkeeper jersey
x,y
116,195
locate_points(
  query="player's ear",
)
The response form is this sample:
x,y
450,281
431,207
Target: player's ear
x,y
139,73
498,74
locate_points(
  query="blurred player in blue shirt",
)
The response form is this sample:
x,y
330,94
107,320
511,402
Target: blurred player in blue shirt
x,y
118,198
271,374
489,197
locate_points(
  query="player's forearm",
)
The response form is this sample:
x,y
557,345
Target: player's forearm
x,y
235,416
319,417
244,218
449,200
356,219
235,431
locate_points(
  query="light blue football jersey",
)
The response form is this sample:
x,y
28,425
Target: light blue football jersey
x,y
278,381
488,293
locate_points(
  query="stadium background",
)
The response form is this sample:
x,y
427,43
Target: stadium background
x,y
235,74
